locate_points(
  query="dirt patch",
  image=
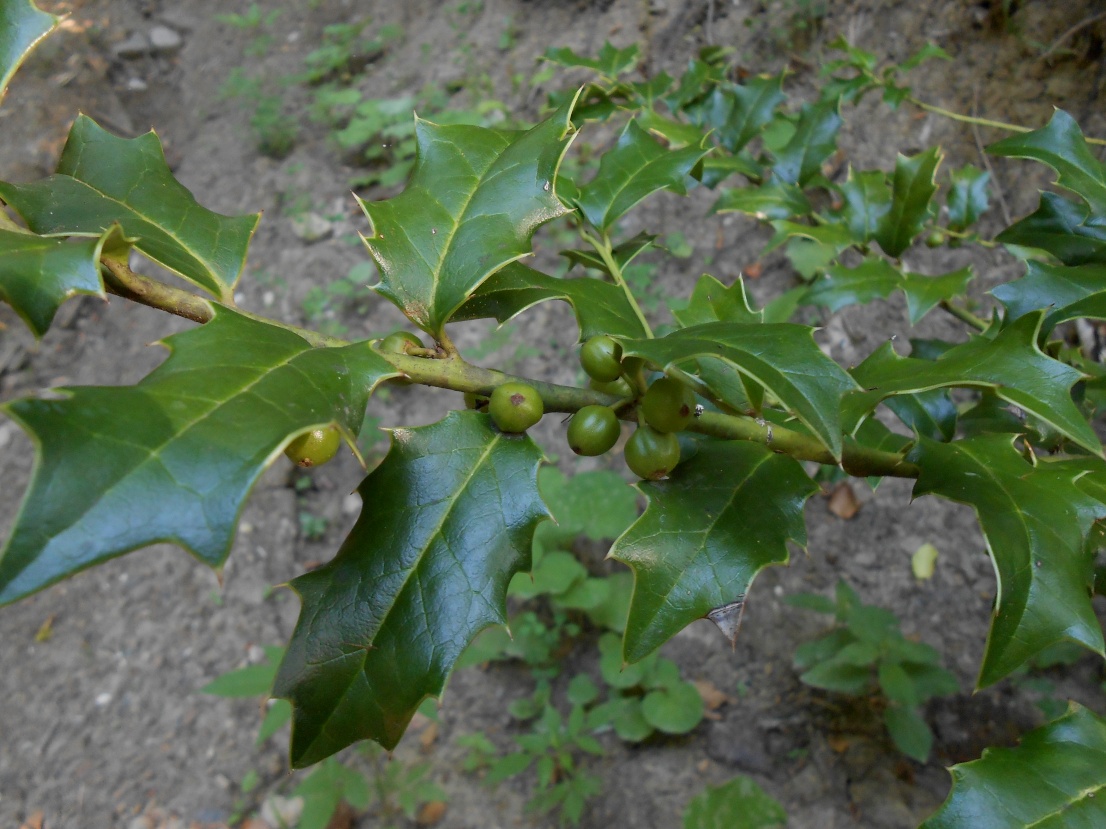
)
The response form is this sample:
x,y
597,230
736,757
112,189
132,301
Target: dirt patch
x,y
102,722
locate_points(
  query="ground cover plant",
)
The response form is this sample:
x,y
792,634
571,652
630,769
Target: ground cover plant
x,y
744,399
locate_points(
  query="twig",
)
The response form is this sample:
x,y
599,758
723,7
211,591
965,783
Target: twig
x,y
1081,25
987,163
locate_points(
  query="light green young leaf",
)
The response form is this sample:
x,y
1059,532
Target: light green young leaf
x,y
721,517
635,168
103,180
37,274
610,62
912,188
174,457
1055,779
22,26
1011,364
711,301
1034,520
600,307
781,357
737,804
449,517
475,198
1060,145
814,140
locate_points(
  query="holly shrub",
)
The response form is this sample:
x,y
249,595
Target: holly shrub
x,y
1001,421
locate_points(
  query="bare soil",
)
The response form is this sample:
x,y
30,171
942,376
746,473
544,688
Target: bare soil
x,y
101,724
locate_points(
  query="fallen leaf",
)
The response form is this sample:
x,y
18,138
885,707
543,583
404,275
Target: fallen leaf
x,y
703,766
430,813
342,818
255,823
842,501
428,737
713,698
37,820
754,270
46,630
838,743
924,562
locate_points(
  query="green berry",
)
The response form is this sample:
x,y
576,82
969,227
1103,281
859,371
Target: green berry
x,y
601,358
315,447
935,239
668,405
593,430
515,407
651,454
398,342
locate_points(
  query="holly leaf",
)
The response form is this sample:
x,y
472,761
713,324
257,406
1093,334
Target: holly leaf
x,y
930,413
924,293
773,200
475,198
867,201
814,140
103,180
600,307
1052,780
174,457
1064,293
1034,520
635,168
22,26
1071,232
721,517
610,62
37,274
1011,364
711,301
742,110
968,197
842,286
623,254
912,188
1061,146
781,357
448,519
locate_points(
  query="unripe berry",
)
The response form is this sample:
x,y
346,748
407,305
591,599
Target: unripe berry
x,y
593,430
668,405
515,407
651,454
601,358
314,448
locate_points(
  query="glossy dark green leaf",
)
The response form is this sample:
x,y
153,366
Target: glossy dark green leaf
x,y
174,457
717,167
774,200
600,307
842,286
475,198
22,26
1055,779
37,274
931,413
749,106
635,168
678,135
736,804
781,357
448,519
1034,520
103,180
924,293
1064,293
913,185
968,197
814,141
611,62
720,518
1070,231
1011,364
1060,145
867,201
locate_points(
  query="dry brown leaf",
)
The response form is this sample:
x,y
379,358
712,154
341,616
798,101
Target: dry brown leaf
x,y
37,820
428,737
713,698
838,743
703,766
843,502
430,813
342,818
754,270
255,823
